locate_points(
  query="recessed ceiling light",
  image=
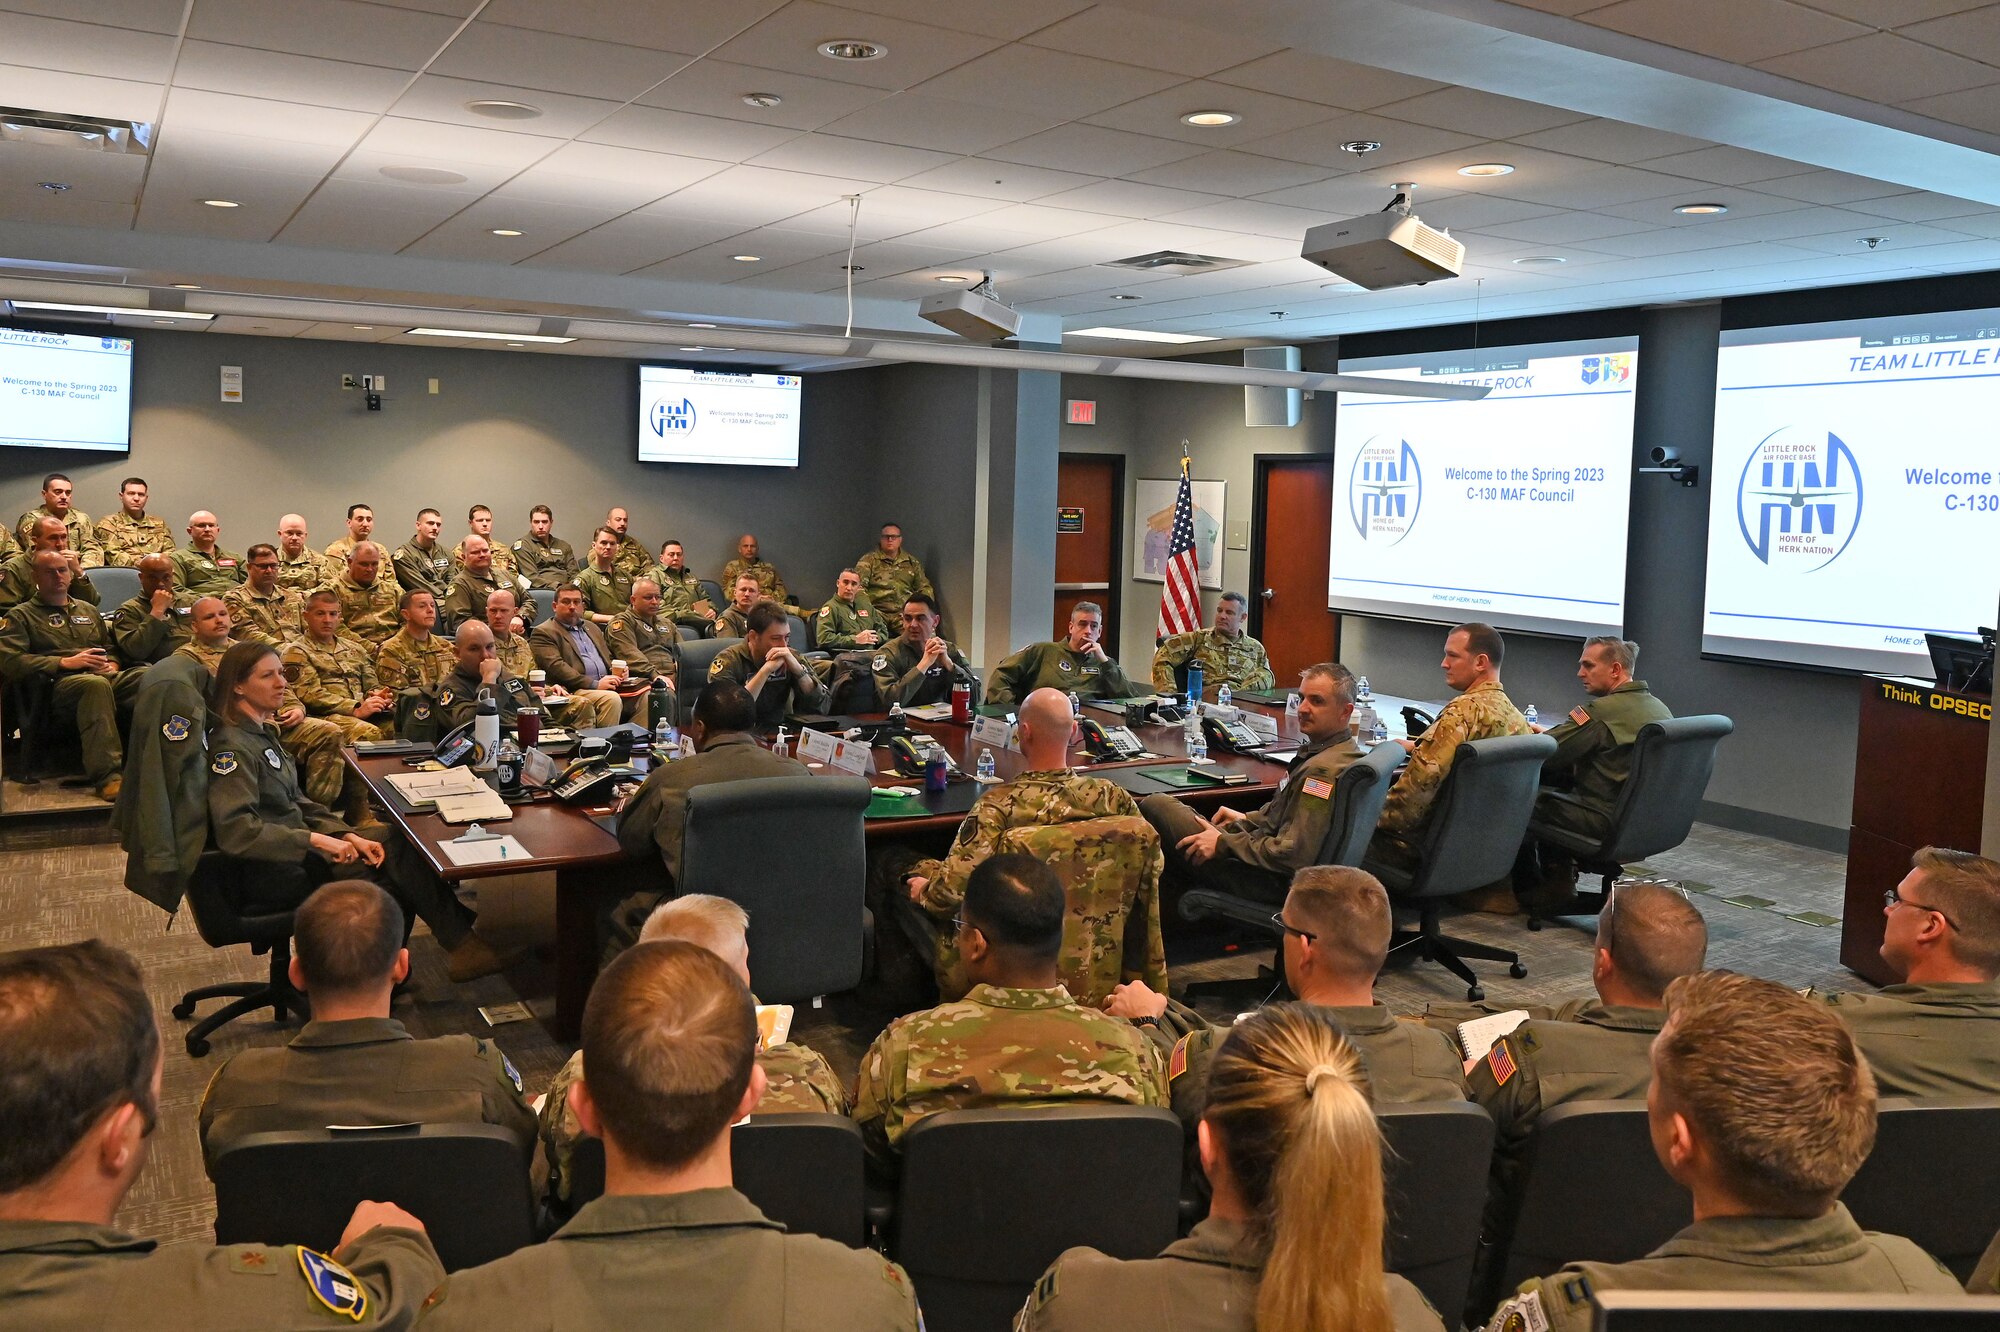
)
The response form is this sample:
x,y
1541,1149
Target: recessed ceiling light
x,y
1134,335
694,349
762,101
1544,259
487,337
1701,209
53,186
495,109
1122,297
222,203
364,328
517,344
852,48
412,175
1486,169
951,277
506,231
1361,147
701,325
1210,119
748,258
187,286
163,321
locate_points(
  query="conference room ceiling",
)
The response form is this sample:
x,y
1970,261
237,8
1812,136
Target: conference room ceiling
x,y
1040,140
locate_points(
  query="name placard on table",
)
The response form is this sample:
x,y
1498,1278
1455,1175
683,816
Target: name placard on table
x,y
993,731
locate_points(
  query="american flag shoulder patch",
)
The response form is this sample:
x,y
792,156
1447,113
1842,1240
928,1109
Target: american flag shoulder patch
x,y
1317,787
1500,1060
1178,1061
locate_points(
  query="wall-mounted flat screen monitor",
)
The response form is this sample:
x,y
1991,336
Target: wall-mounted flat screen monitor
x,y
1511,510
718,416
65,391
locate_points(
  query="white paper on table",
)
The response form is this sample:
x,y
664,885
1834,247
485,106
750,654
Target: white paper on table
x,y
816,745
853,756
422,787
991,731
929,712
487,851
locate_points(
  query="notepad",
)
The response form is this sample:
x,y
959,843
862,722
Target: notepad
x,y
1476,1037
487,851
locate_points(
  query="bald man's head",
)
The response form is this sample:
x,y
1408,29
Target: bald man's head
x,y
472,644
155,572
1046,726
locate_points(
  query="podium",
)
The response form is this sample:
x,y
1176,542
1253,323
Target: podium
x,y
1919,780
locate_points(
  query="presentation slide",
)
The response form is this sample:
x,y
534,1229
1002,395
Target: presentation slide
x,y
1854,494
65,391
1511,509
718,416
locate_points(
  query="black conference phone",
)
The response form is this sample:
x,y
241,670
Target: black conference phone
x,y
591,781
1234,736
1109,744
910,758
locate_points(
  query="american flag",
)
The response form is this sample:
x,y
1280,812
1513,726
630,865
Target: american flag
x,y
1180,599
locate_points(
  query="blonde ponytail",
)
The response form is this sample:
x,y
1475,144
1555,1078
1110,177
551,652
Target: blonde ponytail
x,y
1289,1099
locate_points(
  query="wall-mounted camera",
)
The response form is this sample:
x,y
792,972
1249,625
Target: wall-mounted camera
x,y
1667,462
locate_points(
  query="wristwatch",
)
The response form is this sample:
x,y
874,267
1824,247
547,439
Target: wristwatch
x,y
1145,1021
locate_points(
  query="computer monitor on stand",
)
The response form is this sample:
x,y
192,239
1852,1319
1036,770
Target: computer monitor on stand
x,y
1963,665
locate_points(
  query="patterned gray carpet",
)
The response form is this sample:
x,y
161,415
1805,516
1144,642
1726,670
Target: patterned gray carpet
x,y
63,883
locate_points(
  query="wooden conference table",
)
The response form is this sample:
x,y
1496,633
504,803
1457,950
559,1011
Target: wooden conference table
x,y
592,871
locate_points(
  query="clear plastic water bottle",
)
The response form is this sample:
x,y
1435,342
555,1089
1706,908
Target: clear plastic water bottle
x,y
1532,716
1362,693
1381,736
896,720
1197,743
508,767
985,764
1292,701
666,741
1223,694
1075,704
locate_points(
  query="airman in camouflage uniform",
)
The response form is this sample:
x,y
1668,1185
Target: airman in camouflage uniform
x,y
607,587
633,558
516,656
799,1081
17,576
643,640
261,609
202,567
421,562
546,560
917,666
1226,655
39,636
334,676
681,596
479,523
769,582
9,547
360,528
479,577
734,622
1482,711
368,596
300,567
415,658
131,532
890,575
151,625
846,621
1076,664
1110,873
56,494
1000,1047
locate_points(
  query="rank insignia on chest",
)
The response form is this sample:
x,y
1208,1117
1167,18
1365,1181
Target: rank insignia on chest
x,y
223,764
271,757
177,728
333,1285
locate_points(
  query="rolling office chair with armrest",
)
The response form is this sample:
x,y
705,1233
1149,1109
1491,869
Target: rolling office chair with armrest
x,y
697,654
115,587
1672,761
1470,838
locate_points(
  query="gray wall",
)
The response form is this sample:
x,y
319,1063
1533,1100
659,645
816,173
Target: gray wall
x,y
1789,769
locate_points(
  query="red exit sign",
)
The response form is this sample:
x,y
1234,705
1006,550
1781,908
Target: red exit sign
x,y
1082,411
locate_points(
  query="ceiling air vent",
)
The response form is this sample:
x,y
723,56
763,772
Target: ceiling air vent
x,y
91,134
1176,261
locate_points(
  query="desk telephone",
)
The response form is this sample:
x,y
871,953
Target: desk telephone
x,y
590,781
910,756
1234,736
1114,744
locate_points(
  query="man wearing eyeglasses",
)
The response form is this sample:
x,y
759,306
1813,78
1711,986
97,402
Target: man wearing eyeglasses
x,y
1937,1032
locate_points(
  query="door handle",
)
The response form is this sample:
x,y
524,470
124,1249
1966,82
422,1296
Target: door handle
x,y
1270,592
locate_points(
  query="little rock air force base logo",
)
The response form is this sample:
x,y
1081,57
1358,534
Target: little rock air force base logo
x,y
1385,488
671,418
1798,501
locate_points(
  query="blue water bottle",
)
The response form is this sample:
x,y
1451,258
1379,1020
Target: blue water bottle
x,y
1193,686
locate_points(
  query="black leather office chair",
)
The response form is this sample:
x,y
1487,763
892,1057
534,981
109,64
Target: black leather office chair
x,y
1933,1177
115,587
1435,1170
242,902
696,657
1469,838
806,911
1672,761
712,590
468,1184
803,1170
1592,1191
1765,1311
989,1198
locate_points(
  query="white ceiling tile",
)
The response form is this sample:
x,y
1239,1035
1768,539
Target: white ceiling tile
x,y
919,120
1828,187
1130,238
220,157
1566,228
1126,198
1402,141
1323,79
213,67
434,97
144,15
518,57
1882,67
599,175
1741,31
104,177
1726,166
1977,224
1343,196
1262,219
754,194
261,118
86,48
1155,41
1922,207
1080,147
630,243
1893,13
654,130
1741,203
1229,173
1473,112
1969,255
998,180
832,154
261,325
1055,83
81,94
969,237
364,170
32,204
1894,239
775,247
397,136
1610,141
1612,185
1263,114
435,203
264,210
790,39
713,87
892,210
331,29
1975,108
1047,223
663,25
1014,19
1063,282
1467,212
469,235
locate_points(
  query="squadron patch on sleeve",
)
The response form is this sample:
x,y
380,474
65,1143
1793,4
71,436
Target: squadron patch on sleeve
x,y
177,728
271,757
881,663
333,1285
513,1074
223,764
1523,1313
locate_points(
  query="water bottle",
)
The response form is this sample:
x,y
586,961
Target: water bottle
x,y
1222,696
1381,736
896,722
1531,715
1292,701
1193,686
509,767
660,701
1362,693
1075,704
486,731
666,740
985,764
1197,743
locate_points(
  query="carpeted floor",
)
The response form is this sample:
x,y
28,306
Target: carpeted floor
x,y
63,882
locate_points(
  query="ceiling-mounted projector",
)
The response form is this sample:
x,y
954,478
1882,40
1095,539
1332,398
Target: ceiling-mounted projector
x,y
975,313
1392,248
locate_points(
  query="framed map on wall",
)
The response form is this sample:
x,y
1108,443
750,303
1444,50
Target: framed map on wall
x,y
1156,524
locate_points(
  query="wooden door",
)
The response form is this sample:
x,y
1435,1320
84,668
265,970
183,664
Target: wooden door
x,y
1090,496
1292,511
